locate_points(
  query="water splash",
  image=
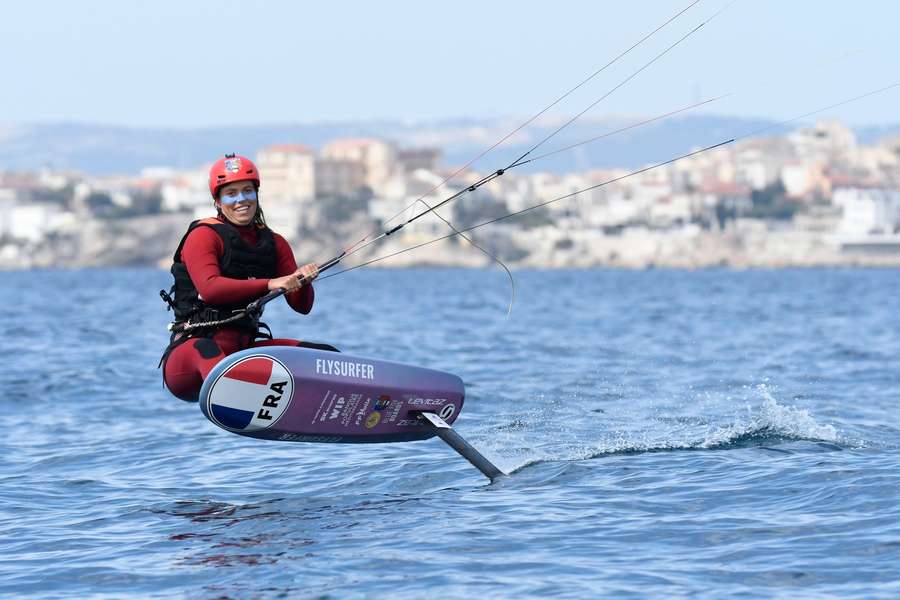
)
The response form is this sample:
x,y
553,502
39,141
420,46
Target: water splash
x,y
770,422
548,435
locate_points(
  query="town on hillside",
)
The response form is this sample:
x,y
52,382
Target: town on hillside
x,y
813,197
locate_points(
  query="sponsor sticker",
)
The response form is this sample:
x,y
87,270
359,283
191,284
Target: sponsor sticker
x,y
447,411
361,412
233,165
251,395
337,409
373,419
382,402
394,412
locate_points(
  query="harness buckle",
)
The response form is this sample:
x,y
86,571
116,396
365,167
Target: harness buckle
x,y
167,299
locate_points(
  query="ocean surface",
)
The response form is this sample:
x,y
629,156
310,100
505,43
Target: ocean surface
x,y
668,434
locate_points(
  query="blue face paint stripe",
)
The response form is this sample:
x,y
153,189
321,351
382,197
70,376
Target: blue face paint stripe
x,y
239,197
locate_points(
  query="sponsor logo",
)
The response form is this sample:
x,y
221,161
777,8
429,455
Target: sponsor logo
x,y
447,411
361,413
394,411
373,420
382,402
342,409
250,395
233,165
426,401
336,408
345,368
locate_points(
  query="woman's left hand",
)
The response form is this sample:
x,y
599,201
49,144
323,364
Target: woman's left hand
x,y
308,272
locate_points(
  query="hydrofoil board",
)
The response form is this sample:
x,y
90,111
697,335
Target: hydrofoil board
x,y
303,395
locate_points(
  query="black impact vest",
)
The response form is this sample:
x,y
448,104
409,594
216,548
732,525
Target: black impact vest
x,y
240,260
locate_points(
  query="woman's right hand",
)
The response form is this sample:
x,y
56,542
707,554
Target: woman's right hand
x,y
290,283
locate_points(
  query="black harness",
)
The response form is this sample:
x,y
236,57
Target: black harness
x,y
240,260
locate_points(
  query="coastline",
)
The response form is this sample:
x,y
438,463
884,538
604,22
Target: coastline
x,y
150,241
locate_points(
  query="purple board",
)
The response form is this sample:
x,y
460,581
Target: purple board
x,y
302,395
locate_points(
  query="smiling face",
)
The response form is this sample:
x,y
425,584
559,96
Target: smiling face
x,y
238,202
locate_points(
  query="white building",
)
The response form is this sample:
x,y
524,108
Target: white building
x,y
617,208
753,168
186,191
672,209
868,211
797,179
826,140
33,222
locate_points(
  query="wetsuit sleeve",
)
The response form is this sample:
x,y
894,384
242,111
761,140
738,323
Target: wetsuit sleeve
x,y
200,253
301,300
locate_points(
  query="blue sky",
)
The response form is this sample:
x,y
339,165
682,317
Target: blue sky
x,y
203,63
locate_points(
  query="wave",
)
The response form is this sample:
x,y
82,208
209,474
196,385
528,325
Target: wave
x,y
767,424
772,423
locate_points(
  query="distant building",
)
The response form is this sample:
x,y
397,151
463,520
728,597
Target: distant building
x,y
397,209
413,159
287,172
337,177
826,140
19,187
33,222
378,158
186,191
868,211
891,145
758,162
418,183
288,177
800,180
673,209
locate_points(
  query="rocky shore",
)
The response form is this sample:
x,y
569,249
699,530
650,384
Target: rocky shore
x,y
150,241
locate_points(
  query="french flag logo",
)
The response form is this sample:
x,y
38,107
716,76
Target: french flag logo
x,y
251,394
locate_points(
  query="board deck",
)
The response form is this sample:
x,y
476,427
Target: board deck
x,y
303,395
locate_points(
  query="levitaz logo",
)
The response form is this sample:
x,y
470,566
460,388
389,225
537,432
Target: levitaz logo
x,y
426,401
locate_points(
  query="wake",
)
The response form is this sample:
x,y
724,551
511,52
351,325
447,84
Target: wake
x,y
536,438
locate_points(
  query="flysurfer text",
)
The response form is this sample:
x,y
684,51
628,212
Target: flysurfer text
x,y
345,368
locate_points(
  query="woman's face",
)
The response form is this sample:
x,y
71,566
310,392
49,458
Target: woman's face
x,y
238,202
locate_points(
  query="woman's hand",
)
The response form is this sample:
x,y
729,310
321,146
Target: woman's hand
x,y
289,283
308,272
296,280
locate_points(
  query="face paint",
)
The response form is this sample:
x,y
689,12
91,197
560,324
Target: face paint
x,y
235,196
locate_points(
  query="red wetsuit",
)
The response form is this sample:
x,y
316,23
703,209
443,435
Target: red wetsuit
x,y
187,364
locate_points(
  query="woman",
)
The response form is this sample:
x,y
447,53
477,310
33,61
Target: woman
x,y
221,265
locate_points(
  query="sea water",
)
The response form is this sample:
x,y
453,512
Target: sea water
x,y
668,433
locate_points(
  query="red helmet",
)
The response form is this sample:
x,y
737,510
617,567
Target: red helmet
x,y
230,169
